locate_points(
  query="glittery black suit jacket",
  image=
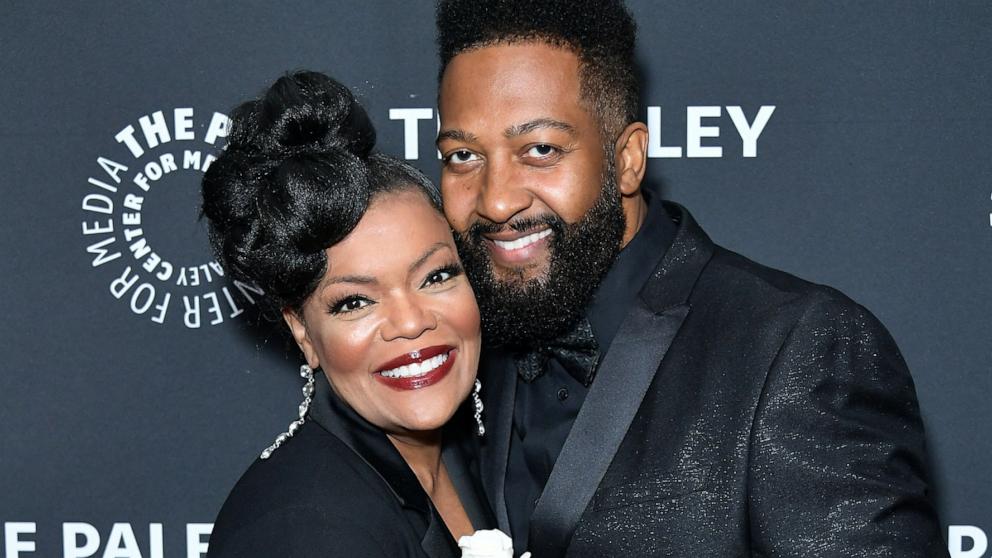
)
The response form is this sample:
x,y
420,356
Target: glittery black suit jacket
x,y
739,411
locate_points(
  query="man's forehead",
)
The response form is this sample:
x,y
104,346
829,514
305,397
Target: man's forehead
x,y
511,82
503,62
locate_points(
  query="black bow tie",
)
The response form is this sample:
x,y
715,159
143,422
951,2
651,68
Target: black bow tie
x,y
576,350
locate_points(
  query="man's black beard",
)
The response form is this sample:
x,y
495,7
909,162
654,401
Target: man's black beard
x,y
524,313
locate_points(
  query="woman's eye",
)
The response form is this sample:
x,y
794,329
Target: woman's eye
x,y
542,151
350,304
460,157
439,276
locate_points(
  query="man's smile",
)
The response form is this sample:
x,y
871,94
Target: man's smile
x,y
514,248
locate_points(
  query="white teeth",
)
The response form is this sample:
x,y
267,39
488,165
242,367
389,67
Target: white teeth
x,y
416,368
522,242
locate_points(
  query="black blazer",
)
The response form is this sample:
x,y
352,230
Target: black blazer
x,y
339,488
739,411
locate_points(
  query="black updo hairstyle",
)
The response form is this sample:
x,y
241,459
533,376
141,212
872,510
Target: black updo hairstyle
x,y
297,175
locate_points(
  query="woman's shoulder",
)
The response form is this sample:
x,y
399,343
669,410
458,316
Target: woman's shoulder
x,y
312,490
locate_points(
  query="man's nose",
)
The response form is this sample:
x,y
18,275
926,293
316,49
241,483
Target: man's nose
x,y
502,194
408,319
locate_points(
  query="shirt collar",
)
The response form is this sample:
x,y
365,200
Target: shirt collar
x,y
369,442
629,272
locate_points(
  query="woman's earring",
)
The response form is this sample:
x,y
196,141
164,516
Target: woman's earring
x,y
480,428
307,373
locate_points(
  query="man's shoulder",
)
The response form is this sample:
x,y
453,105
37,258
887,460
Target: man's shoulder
x,y
710,275
734,282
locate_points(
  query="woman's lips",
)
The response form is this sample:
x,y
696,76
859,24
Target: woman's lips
x,y
428,368
414,357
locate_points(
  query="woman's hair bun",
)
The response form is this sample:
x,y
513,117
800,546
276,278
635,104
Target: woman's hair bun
x,y
303,112
292,180
296,177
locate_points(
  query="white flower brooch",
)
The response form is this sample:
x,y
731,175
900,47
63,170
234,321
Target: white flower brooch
x,y
489,543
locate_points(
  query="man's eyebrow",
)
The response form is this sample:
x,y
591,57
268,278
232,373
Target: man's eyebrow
x,y
512,131
427,254
537,124
456,135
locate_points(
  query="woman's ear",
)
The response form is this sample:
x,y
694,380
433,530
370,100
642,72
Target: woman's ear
x,y
299,330
631,151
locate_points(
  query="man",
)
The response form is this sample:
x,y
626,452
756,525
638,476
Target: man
x,y
649,393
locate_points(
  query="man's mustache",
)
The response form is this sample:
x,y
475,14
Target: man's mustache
x,y
484,226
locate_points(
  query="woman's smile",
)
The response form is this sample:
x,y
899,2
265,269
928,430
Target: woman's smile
x,y
418,369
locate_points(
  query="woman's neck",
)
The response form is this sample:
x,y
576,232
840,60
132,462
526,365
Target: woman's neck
x,y
422,452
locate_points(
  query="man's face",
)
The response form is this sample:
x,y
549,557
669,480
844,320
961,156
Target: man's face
x,y
528,187
518,147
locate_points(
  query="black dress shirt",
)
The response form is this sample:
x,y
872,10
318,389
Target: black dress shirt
x,y
545,408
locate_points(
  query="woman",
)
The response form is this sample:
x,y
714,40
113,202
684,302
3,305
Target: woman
x,y
352,249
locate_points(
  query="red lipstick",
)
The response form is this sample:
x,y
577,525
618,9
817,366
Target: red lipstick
x,y
417,380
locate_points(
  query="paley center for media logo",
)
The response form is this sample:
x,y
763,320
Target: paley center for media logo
x,y
159,278
165,278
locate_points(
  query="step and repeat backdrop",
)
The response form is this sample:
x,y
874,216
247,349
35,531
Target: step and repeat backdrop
x,y
848,143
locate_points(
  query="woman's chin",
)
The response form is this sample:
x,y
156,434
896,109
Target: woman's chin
x,y
429,423
429,409
419,420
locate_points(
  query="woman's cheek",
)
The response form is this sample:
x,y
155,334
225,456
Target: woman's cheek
x,y
348,344
464,311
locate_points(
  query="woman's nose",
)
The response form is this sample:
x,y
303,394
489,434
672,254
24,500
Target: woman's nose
x,y
408,319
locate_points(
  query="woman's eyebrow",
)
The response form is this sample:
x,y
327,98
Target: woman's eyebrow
x,y
359,279
427,254
368,280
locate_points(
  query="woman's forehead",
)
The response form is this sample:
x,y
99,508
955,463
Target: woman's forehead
x,y
398,228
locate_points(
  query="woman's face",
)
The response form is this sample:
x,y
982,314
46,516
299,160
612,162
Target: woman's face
x,y
393,323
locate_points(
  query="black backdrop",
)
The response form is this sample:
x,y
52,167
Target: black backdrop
x,y
123,426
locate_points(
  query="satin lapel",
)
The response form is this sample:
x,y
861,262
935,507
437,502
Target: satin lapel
x,y
623,379
498,391
602,423
437,542
467,487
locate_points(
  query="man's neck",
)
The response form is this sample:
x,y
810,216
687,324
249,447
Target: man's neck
x,y
635,210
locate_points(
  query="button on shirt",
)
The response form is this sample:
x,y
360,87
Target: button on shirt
x,y
545,408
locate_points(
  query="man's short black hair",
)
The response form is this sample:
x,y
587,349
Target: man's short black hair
x,y
600,32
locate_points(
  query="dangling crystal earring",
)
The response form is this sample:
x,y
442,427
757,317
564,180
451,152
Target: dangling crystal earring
x,y
307,373
480,428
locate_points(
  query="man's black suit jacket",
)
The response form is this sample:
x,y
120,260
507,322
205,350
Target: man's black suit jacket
x,y
740,411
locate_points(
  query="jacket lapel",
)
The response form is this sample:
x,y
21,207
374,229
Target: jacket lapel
x,y
437,542
466,484
623,379
499,387
601,425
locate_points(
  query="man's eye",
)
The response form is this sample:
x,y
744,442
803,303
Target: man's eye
x,y
460,157
350,304
542,151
